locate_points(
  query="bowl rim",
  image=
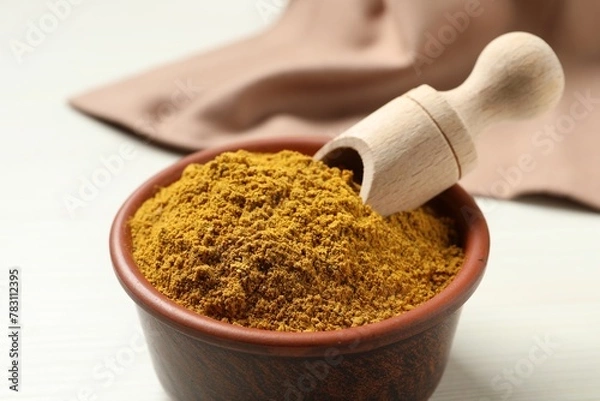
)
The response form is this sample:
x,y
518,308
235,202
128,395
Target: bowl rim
x,y
259,341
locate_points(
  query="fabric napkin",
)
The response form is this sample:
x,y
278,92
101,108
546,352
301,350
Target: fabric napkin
x,y
325,64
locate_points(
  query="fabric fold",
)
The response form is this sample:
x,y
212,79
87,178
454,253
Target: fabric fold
x,y
326,64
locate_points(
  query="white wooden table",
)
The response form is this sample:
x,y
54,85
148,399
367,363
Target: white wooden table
x,y
531,332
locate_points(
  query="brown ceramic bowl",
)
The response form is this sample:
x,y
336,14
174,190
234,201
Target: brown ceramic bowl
x,y
199,358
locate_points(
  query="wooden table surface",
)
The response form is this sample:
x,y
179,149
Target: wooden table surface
x,y
531,332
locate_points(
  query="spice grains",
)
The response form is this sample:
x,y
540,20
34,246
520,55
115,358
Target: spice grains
x,y
283,242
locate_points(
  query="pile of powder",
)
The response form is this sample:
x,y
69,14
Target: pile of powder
x,y
283,242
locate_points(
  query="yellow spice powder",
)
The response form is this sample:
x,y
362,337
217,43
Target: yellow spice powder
x,y
283,242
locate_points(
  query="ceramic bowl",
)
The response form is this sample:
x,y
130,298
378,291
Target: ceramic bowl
x,y
199,358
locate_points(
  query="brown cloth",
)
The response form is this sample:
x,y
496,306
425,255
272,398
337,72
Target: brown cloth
x,y
328,63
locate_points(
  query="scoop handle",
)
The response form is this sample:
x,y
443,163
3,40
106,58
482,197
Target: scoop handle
x,y
422,142
516,76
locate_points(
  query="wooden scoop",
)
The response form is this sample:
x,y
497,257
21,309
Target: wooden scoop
x,y
422,142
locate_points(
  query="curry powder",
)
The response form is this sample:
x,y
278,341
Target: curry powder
x,y
284,242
